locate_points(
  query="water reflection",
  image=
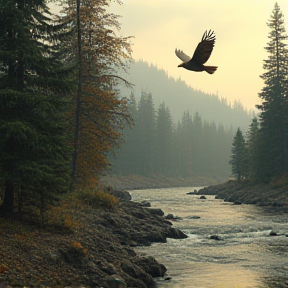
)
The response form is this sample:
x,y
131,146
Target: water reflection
x,y
246,257
208,275
274,282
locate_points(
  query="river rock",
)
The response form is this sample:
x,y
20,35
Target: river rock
x,y
273,233
192,193
122,195
137,274
145,203
156,211
215,237
116,283
150,266
172,217
237,203
193,217
176,233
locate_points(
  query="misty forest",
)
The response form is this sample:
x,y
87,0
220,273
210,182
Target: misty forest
x,y
70,113
157,144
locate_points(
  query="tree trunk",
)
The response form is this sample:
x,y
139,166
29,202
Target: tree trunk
x,y
78,96
8,202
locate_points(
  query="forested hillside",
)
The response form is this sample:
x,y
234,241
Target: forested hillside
x,y
178,131
157,144
179,97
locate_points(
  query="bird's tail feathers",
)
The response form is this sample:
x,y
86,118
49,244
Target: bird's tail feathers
x,y
210,69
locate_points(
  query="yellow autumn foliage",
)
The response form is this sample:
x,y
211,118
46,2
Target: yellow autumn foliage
x,y
99,111
98,199
76,246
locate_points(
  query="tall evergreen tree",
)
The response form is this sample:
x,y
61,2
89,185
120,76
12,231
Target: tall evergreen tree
x,y
123,162
197,143
273,134
239,159
252,146
163,139
146,126
34,157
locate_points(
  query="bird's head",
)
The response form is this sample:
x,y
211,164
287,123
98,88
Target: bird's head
x,y
181,65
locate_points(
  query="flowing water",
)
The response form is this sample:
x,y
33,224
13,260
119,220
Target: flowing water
x,y
246,256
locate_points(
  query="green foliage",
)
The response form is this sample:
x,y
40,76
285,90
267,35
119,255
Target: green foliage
x,y
252,146
34,82
272,139
239,158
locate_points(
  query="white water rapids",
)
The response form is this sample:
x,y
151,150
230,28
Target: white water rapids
x,y
245,257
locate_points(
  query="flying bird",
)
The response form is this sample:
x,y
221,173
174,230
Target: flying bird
x,y
200,56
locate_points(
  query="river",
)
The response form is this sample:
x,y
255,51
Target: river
x,y
246,256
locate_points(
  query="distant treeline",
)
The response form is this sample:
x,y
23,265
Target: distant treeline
x,y
193,146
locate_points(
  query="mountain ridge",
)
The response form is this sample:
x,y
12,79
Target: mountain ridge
x,y
180,97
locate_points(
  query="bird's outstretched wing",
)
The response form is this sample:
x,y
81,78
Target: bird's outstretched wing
x,y
204,48
181,55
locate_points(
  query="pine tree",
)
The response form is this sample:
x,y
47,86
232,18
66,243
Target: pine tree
x,y
185,144
34,82
123,161
197,144
252,146
273,133
147,130
239,159
163,139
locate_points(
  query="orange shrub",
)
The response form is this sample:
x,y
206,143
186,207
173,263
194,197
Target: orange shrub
x,y
76,246
98,199
3,268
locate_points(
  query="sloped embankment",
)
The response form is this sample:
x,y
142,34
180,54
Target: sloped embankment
x,y
101,248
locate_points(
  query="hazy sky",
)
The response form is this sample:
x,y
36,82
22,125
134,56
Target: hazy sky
x,y
159,26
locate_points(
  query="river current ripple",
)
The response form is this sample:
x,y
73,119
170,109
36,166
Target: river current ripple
x,y
245,257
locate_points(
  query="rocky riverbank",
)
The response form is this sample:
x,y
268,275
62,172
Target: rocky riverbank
x,y
248,192
99,249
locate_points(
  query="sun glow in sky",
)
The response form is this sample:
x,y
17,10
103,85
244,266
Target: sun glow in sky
x,y
159,26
